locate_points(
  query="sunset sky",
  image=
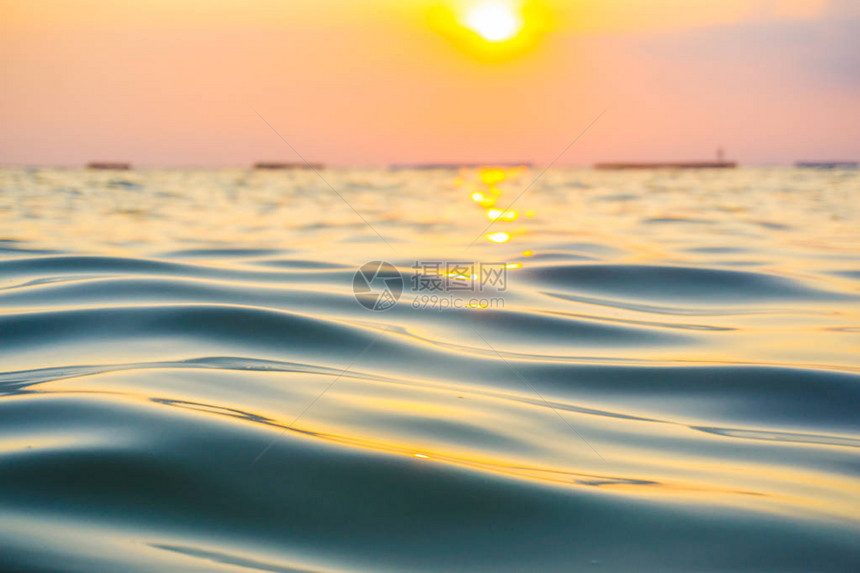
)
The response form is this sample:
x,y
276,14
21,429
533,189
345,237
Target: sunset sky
x,y
351,82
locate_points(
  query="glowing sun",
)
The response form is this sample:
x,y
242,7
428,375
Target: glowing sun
x,y
491,30
494,20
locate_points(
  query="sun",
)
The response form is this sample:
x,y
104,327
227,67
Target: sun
x,y
494,20
492,31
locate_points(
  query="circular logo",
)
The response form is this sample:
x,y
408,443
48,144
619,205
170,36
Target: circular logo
x,y
377,285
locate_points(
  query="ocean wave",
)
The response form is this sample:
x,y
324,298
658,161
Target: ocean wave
x,y
206,393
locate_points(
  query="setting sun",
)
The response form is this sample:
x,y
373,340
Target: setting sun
x,y
492,30
494,21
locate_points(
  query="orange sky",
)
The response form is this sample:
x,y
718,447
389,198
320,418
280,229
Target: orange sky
x,y
175,82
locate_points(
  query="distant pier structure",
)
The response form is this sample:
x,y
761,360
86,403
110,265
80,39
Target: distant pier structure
x,y
282,165
110,165
449,166
671,165
720,163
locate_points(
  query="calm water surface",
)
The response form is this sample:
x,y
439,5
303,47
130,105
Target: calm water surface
x,y
670,381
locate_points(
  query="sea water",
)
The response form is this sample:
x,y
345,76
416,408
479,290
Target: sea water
x,y
429,370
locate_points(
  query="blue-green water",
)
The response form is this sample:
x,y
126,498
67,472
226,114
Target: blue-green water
x,y
669,380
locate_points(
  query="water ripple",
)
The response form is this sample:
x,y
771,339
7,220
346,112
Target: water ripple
x,y
189,384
